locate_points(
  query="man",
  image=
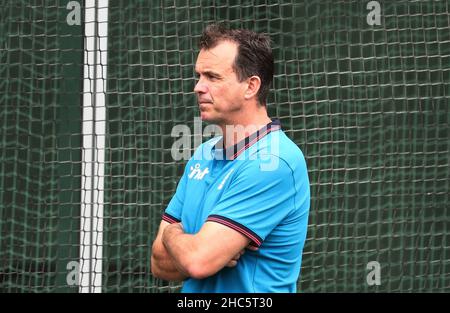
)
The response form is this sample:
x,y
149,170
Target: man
x,y
238,219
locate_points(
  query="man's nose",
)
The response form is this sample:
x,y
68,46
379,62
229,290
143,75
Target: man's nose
x,y
200,87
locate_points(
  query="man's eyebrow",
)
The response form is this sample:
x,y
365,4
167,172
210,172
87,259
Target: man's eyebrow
x,y
209,73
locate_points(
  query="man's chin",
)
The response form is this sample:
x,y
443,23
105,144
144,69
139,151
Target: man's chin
x,y
207,118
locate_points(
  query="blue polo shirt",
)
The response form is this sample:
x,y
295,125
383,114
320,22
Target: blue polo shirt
x,y
260,188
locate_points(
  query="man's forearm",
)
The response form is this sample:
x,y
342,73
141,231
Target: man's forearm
x,y
162,265
167,271
181,249
197,255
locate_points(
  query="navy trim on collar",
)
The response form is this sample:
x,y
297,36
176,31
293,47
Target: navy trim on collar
x,y
234,151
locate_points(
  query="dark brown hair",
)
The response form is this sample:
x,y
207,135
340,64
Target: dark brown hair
x,y
254,56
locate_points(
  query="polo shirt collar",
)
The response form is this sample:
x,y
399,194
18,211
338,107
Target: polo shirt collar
x,y
234,151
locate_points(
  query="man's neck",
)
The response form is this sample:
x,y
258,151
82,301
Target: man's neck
x,y
248,124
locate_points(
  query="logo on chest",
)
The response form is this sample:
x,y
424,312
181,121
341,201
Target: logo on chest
x,y
197,172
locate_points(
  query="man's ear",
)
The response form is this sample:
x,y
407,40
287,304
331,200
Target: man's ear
x,y
254,83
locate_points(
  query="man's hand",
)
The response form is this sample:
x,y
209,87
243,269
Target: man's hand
x,y
162,264
172,229
235,259
252,248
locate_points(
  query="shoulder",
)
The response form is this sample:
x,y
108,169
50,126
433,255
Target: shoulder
x,y
264,168
277,146
284,146
282,157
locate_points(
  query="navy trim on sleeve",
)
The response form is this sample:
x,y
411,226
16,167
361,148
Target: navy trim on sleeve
x,y
256,240
170,219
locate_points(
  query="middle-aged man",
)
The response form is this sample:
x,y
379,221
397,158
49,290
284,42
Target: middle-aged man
x,y
238,219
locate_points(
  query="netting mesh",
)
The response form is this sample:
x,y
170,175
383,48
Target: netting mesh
x,y
40,72
368,105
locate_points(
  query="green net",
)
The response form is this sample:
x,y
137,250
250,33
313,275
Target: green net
x,y
40,90
367,104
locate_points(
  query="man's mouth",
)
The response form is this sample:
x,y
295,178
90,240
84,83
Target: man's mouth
x,y
203,104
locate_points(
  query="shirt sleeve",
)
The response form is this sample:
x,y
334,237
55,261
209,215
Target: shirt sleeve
x,y
173,211
256,200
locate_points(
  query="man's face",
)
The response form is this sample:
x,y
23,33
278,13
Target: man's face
x,y
220,95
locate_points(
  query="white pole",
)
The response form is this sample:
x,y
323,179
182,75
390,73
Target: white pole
x,y
93,152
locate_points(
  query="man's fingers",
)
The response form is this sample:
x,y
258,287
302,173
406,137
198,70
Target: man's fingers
x,y
234,260
252,248
232,263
